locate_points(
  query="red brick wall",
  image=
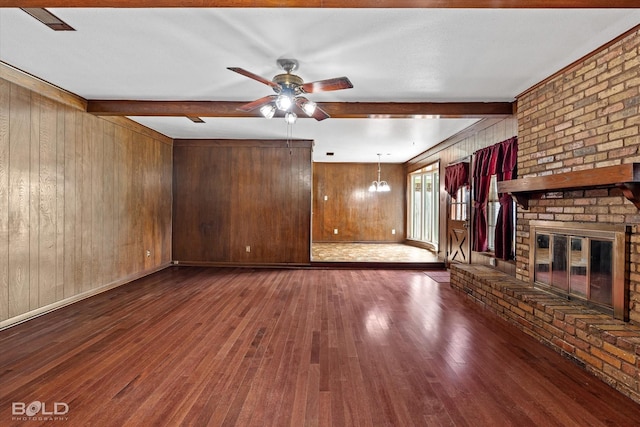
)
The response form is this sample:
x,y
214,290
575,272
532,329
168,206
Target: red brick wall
x,y
585,117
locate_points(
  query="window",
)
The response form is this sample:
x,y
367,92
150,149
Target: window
x,y
424,186
459,205
490,164
493,207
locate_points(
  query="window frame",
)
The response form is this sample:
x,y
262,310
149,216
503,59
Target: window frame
x,y
429,214
459,206
493,207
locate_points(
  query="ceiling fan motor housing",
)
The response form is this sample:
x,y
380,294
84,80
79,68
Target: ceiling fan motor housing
x,y
289,82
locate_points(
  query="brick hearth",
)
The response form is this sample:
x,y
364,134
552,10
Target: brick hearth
x,y
606,347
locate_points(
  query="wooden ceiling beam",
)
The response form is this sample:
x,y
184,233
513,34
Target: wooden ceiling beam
x,y
452,4
351,110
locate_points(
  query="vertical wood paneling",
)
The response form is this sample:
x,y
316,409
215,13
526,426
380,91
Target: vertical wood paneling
x,y
217,225
47,193
80,184
59,198
86,178
242,201
199,173
97,201
19,191
302,179
70,188
148,232
359,216
151,227
108,264
79,198
166,165
4,198
137,202
123,167
229,195
34,202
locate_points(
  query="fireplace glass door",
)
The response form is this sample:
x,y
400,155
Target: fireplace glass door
x,y
578,260
582,261
559,277
601,274
575,266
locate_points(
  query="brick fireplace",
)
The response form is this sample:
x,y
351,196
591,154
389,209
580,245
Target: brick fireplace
x,y
583,121
578,179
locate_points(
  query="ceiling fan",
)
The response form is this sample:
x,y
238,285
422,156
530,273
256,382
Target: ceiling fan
x,y
289,89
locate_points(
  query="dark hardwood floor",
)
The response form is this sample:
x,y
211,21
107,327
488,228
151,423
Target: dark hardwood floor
x,y
293,347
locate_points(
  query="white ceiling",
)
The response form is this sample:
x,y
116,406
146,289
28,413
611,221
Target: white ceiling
x,y
390,55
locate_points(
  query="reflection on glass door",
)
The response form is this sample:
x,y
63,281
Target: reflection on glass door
x,y
415,231
577,266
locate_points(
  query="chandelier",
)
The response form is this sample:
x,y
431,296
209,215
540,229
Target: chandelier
x,y
380,186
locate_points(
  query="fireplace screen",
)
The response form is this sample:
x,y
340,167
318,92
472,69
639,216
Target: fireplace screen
x,y
581,264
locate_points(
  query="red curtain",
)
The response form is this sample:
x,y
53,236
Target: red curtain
x,y
500,160
484,165
456,176
508,158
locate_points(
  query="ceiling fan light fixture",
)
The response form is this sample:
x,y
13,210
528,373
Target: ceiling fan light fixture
x,y
284,101
290,117
268,110
309,107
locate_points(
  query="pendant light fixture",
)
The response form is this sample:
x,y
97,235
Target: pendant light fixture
x,y
379,186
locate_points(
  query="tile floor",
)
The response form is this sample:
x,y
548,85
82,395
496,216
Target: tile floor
x,y
370,252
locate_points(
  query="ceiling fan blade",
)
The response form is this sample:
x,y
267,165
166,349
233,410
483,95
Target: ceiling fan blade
x,y
320,114
326,85
253,76
257,103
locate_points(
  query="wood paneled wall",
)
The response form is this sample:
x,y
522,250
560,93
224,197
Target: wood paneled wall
x,y
81,201
462,146
232,194
357,214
